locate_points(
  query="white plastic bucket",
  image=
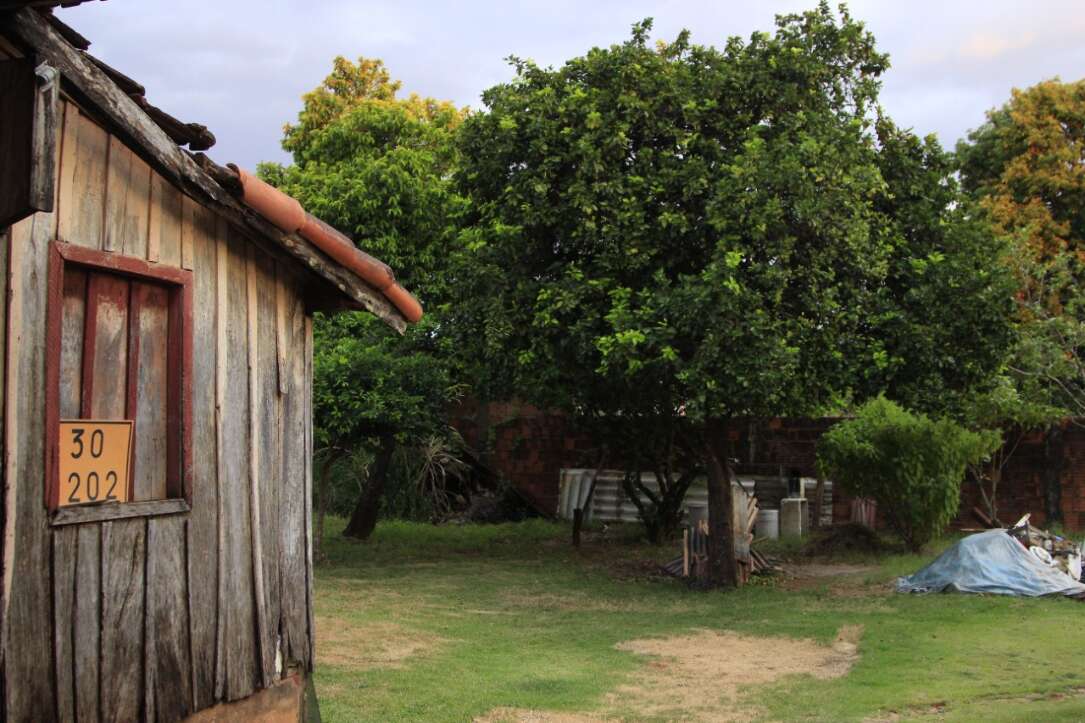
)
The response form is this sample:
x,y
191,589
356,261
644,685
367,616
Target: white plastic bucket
x,y
768,524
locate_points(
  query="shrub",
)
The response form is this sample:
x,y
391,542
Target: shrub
x,y
910,464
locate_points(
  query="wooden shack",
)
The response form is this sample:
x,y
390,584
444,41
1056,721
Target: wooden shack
x,y
157,438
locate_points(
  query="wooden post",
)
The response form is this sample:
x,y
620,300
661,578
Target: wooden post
x,y
685,552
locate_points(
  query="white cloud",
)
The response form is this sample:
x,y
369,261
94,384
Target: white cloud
x,y
240,66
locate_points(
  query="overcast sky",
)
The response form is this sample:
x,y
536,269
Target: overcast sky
x,y
240,66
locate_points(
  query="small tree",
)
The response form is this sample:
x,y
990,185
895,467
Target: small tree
x,y
1014,407
377,166
910,464
372,390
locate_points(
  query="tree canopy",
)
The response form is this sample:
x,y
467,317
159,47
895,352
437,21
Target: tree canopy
x,y
1026,168
1026,164
700,234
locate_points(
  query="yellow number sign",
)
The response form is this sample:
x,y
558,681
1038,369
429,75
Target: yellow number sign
x,y
94,461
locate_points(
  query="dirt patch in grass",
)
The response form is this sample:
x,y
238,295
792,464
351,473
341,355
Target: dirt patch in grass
x,y
374,645
701,676
568,602
705,676
525,715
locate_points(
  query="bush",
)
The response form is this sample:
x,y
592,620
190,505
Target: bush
x,y
910,464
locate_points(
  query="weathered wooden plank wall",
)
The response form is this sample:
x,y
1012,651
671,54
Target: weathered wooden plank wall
x,y
154,618
5,242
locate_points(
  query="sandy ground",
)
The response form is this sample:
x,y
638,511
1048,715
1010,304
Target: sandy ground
x,y
703,676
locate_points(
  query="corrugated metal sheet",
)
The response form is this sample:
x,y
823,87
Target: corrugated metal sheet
x,y
610,504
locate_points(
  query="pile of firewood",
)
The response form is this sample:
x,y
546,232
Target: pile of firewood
x,y
693,562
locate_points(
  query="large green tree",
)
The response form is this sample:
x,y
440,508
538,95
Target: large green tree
x,y
378,167
695,234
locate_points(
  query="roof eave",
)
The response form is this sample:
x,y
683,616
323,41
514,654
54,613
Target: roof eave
x,y
142,134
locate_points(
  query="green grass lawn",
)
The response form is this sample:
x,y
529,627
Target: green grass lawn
x,y
427,623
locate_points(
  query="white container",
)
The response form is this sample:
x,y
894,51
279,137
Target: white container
x,y
1074,563
768,524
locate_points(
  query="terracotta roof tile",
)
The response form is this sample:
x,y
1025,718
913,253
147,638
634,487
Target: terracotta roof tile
x,y
283,211
287,213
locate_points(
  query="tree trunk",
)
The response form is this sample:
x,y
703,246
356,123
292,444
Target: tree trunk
x,y
819,503
364,518
1054,458
322,495
580,512
722,566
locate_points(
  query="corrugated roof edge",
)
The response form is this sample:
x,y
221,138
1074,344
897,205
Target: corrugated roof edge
x,y
288,215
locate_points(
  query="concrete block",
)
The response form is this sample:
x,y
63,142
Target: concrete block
x,y
793,517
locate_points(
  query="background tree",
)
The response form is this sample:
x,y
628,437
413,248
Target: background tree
x,y
940,321
1026,168
696,234
371,391
378,167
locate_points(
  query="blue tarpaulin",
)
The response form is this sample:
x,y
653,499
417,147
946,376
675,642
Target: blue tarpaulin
x,y
990,562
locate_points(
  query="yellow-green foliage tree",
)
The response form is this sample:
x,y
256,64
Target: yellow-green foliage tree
x,y
378,168
1026,164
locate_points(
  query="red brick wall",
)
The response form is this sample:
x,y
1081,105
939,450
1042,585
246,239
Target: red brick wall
x,y
1022,487
529,447
526,446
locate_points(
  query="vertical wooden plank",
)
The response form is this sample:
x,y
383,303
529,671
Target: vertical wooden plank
x,y
88,630
235,524
154,218
167,669
189,211
271,451
203,549
222,276
166,204
27,640
118,178
282,305
256,431
71,342
5,245
268,450
29,673
105,349
64,592
309,485
69,146
148,317
136,225
123,559
293,557
85,224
